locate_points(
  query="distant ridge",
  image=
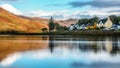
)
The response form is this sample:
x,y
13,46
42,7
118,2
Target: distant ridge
x,y
46,21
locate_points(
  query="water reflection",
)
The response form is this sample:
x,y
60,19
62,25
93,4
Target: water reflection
x,y
11,44
94,44
60,51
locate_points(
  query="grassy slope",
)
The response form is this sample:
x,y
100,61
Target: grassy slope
x,y
9,21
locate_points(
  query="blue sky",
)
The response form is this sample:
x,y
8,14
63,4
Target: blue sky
x,y
48,5
57,8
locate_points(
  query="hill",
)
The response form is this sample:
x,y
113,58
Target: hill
x,y
46,21
9,21
24,24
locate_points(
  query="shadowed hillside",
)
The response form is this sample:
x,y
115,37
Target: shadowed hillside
x,y
46,21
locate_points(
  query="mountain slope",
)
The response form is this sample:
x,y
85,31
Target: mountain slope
x,y
67,22
9,21
46,21
60,22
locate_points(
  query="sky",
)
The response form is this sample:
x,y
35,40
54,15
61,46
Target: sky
x,y
62,9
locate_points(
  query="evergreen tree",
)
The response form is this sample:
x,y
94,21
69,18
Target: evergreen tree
x,y
51,24
115,19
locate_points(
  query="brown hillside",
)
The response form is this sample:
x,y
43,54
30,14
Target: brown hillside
x,y
9,21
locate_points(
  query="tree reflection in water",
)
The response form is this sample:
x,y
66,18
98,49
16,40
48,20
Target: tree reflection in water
x,y
86,44
73,51
51,43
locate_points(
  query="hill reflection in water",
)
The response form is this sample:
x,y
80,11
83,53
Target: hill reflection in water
x,y
11,44
60,51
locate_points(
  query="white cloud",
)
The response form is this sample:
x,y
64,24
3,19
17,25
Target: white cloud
x,y
10,59
11,9
41,13
48,14
66,14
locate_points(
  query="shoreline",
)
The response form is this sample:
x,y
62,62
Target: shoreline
x,y
75,33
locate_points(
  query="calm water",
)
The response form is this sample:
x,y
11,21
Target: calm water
x,y
59,52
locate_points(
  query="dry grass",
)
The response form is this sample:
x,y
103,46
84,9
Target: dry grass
x,y
9,21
